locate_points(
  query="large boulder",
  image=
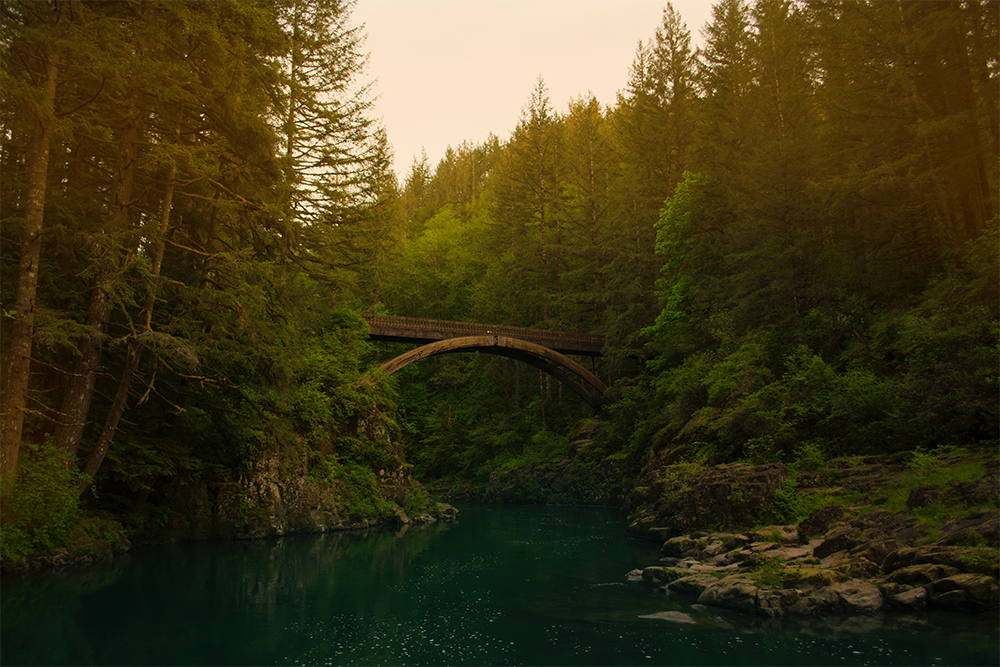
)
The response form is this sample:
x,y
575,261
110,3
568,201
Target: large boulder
x,y
910,599
693,585
952,556
734,592
658,576
842,538
979,527
858,597
819,522
921,574
818,602
680,547
964,592
775,602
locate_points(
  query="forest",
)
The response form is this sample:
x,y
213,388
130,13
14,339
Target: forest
x,y
788,237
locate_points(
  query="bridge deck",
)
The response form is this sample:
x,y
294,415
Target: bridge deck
x,y
397,329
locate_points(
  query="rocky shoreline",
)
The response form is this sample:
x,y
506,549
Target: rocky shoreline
x,y
848,558
850,569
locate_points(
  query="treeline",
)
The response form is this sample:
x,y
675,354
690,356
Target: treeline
x,y
191,194
788,237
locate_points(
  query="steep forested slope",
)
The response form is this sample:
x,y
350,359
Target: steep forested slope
x,y
788,238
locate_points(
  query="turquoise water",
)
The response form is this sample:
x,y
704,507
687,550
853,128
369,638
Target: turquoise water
x,y
531,585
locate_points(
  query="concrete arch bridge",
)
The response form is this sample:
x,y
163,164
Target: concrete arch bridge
x,y
543,349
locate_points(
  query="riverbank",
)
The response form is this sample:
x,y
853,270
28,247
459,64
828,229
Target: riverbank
x,y
901,532
274,498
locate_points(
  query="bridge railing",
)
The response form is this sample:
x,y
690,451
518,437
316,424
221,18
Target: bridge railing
x,y
592,343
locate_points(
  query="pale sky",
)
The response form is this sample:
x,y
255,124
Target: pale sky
x,y
448,71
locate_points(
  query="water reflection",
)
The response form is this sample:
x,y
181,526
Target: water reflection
x,y
201,603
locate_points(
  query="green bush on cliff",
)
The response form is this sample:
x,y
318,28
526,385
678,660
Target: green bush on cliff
x,y
357,486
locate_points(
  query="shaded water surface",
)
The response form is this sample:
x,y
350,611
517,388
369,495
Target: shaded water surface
x,y
502,585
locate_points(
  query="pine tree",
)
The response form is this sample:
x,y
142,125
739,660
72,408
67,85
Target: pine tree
x,y
587,207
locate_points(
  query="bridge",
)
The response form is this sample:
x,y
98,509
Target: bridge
x,y
540,348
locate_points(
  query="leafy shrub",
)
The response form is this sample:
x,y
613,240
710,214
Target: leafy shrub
x,y
786,506
416,501
984,560
43,502
810,457
770,571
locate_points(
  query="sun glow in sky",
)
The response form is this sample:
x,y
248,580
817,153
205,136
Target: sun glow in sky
x,y
448,71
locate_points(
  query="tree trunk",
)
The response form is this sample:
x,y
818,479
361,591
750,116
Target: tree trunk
x,y
76,401
145,318
18,371
213,229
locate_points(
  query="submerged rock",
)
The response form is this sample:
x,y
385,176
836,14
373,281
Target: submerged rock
x,y
671,616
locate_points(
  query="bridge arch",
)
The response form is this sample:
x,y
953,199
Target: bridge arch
x,y
589,387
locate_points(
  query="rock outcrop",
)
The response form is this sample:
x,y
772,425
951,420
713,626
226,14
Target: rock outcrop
x,y
681,499
274,499
860,566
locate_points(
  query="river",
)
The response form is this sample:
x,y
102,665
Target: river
x,y
528,585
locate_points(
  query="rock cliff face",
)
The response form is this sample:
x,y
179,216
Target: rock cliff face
x,y
284,492
278,498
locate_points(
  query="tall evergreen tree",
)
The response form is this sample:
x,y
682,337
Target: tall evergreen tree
x,y
587,244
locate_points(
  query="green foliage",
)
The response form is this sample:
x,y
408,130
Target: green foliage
x,y
416,501
984,560
768,571
358,486
787,507
783,236
43,506
810,456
